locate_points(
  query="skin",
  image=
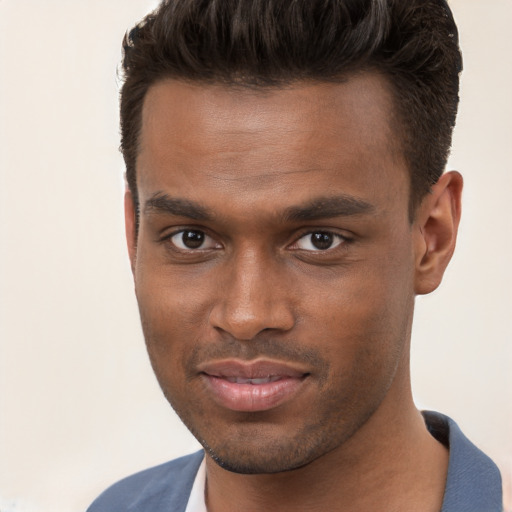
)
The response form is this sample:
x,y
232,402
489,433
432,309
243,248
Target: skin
x,y
250,171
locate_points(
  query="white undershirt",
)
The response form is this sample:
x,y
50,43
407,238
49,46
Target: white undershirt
x,y
196,501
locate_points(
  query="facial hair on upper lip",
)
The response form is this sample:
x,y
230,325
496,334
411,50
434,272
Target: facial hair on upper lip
x,y
261,348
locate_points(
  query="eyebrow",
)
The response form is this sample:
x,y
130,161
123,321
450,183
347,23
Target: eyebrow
x,y
162,203
318,208
328,207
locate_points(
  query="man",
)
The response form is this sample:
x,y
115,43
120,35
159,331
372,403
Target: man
x,y
286,202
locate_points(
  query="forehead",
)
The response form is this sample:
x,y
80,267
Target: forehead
x,y
306,136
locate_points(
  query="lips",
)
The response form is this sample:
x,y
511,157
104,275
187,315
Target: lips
x,y
251,387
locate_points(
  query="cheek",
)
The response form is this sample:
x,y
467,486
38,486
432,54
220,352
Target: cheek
x,y
364,338
362,317
172,295
174,314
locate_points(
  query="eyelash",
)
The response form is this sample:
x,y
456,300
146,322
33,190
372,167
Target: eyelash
x,y
342,240
168,239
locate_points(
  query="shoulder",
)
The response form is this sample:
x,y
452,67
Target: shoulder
x,y
474,481
161,488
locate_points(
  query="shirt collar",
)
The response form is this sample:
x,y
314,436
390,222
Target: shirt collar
x,y
473,483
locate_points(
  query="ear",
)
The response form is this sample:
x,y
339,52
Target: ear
x,y
130,227
436,224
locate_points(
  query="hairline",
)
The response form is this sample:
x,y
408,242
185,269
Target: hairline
x,y
251,83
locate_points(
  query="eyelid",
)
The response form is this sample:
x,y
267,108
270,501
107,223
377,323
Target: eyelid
x,y
342,239
168,238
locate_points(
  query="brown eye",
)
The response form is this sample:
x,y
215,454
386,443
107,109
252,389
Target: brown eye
x,y
319,241
322,240
190,239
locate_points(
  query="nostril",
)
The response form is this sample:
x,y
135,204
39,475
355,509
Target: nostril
x,y
248,305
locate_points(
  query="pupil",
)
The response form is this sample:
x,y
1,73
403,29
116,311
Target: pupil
x,y
321,240
193,239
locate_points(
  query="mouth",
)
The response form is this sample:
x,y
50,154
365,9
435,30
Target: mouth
x,y
254,382
252,386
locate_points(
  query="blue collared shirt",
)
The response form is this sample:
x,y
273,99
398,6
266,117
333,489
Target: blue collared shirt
x,y
473,483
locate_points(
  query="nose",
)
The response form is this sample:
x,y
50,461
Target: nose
x,y
253,297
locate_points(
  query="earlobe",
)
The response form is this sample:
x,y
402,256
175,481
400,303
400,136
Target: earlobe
x,y
130,227
436,226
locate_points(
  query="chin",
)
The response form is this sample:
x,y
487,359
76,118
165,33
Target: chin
x,y
254,467
267,460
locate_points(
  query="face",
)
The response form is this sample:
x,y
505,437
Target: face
x,y
273,264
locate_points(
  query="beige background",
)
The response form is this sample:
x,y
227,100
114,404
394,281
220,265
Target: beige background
x,y
80,407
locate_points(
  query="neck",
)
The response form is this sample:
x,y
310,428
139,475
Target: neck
x,y
392,461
